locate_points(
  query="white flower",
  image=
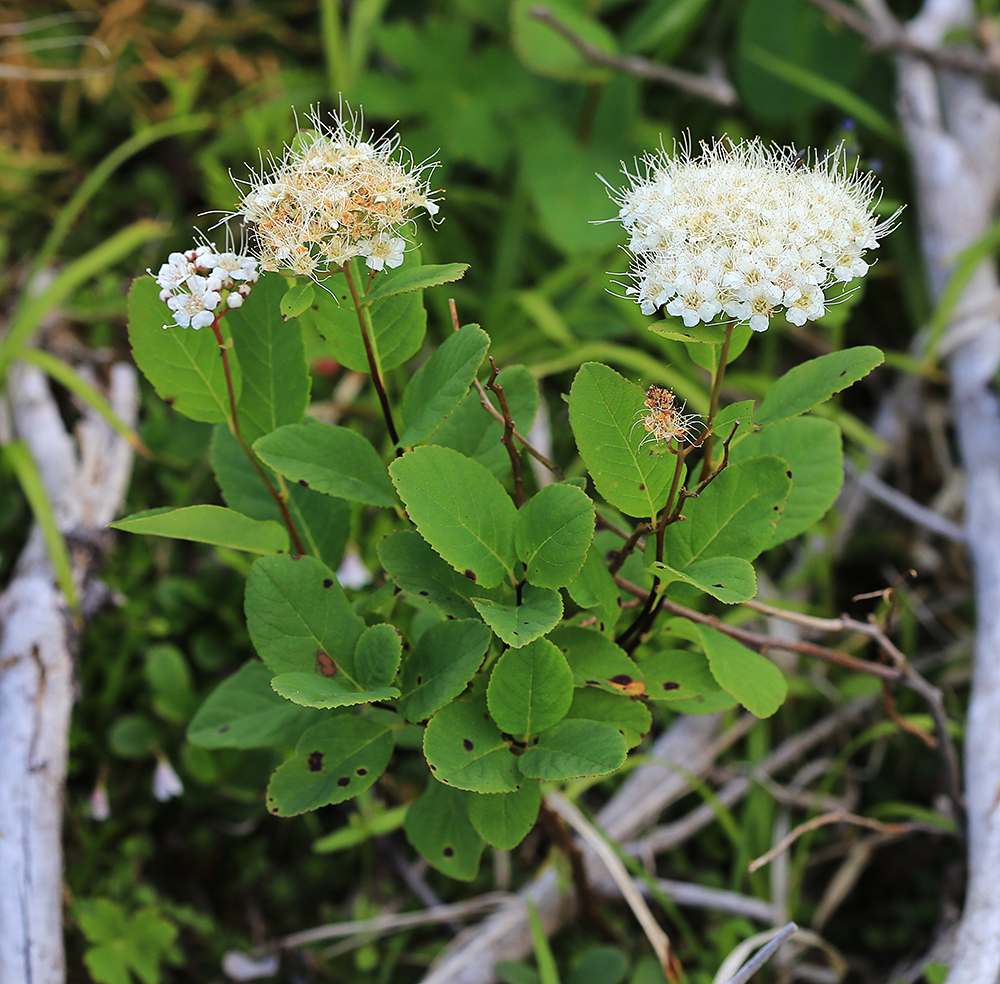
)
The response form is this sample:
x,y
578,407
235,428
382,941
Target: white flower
x,y
194,298
166,783
746,229
334,196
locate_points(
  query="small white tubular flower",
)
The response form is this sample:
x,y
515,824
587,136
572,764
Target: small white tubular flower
x,y
166,783
334,196
746,230
194,297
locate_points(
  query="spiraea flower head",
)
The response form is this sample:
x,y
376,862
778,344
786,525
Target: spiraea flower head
x,y
335,195
196,283
664,421
743,230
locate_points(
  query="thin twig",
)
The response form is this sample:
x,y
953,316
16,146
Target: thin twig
x,y
824,819
370,354
658,939
714,89
498,417
508,434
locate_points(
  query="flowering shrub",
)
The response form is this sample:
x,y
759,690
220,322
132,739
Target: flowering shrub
x,y
744,230
516,632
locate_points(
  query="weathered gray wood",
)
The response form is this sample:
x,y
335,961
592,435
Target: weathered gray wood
x,y
85,478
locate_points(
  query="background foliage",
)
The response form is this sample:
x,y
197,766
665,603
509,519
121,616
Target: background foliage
x,y
161,890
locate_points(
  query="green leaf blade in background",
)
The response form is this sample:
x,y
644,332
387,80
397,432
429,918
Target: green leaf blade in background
x,y
553,533
215,525
530,689
677,674
573,749
334,761
736,516
298,615
542,49
517,625
503,820
376,657
596,661
415,278
440,666
464,749
813,382
812,447
439,827
328,459
631,718
182,364
602,413
272,360
296,299
460,509
441,383
244,712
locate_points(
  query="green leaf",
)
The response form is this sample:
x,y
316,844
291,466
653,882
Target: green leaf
x,y
441,383
361,828
272,359
464,748
812,448
554,529
169,678
244,712
298,616
735,516
805,386
209,524
602,409
296,299
530,689
594,588
730,579
134,736
183,364
597,662
376,656
677,674
317,690
503,820
323,521
440,666
415,278
745,675
399,324
328,459
416,569
574,748
544,50
126,945
438,826
539,612
474,432
460,509
631,717
335,760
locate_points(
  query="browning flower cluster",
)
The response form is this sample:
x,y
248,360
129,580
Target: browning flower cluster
x,y
663,420
744,230
334,196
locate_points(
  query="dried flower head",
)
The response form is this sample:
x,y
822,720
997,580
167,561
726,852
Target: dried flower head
x,y
194,283
744,230
335,195
664,421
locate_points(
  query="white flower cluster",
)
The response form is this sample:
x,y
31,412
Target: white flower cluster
x,y
744,230
335,196
192,283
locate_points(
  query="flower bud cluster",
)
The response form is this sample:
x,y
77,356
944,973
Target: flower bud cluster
x,y
745,230
335,196
193,283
